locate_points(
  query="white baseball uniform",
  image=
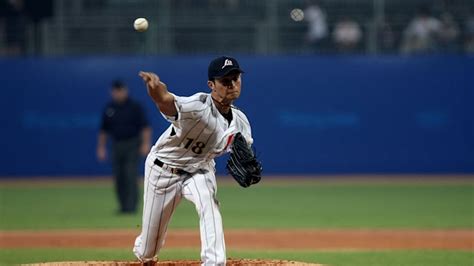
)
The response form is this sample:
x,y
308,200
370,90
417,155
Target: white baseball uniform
x,y
181,164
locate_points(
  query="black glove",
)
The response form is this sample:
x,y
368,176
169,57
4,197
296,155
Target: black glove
x,y
243,164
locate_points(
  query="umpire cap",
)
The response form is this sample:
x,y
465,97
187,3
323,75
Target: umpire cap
x,y
118,85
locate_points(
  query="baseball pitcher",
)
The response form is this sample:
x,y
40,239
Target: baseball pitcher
x,y
181,163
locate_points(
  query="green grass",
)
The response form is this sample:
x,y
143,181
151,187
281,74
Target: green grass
x,y
333,258
306,205
350,206
267,205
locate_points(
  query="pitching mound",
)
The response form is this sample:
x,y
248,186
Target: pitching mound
x,y
235,262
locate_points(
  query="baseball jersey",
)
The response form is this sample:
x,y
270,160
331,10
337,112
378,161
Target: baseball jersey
x,y
198,133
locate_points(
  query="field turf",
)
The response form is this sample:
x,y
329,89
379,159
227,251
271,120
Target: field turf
x,y
282,204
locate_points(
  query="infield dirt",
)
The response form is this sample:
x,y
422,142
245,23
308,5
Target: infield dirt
x,y
251,239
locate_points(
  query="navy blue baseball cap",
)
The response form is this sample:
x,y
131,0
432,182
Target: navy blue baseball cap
x,y
118,85
222,66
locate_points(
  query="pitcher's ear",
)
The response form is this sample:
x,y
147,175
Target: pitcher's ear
x,y
211,84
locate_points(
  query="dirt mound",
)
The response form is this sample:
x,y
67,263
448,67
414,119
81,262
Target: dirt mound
x,y
234,262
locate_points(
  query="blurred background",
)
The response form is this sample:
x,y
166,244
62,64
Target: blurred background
x,y
60,27
378,92
340,86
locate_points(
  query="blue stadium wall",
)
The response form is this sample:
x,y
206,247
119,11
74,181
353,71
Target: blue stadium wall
x,y
310,114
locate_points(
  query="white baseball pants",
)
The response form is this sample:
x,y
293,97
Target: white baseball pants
x,y
162,193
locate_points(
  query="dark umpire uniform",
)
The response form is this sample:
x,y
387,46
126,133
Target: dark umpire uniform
x,y
124,121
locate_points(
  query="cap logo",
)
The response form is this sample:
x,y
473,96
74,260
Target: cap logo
x,y
227,62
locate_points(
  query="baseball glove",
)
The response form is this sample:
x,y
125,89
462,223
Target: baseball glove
x,y
243,164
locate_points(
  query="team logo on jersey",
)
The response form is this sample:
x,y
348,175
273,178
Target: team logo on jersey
x,y
227,62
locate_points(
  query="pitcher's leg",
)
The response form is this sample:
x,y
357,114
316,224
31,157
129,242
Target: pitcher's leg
x,y
201,190
173,200
159,204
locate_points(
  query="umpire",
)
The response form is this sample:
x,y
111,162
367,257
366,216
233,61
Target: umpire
x,y
125,123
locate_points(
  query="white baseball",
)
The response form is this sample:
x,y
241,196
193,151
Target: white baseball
x,y
297,14
140,24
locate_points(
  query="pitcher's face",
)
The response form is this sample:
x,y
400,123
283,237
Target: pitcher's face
x,y
227,88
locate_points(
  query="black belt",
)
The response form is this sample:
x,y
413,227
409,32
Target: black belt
x,y
171,169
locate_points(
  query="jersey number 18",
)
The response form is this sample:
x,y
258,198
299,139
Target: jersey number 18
x,y
196,148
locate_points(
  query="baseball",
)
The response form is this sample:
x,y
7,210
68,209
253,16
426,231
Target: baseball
x,y
140,24
297,14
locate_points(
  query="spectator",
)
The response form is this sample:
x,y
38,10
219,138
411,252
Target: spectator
x,y
347,35
385,37
124,121
317,25
14,19
469,34
448,34
420,35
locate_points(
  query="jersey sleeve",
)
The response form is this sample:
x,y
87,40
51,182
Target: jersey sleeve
x,y
246,129
188,108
